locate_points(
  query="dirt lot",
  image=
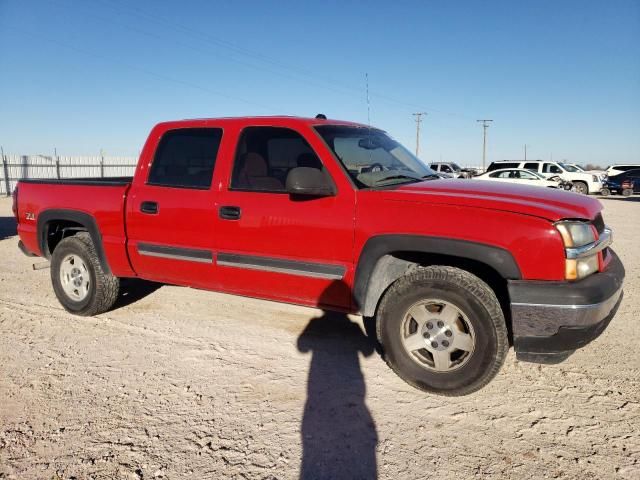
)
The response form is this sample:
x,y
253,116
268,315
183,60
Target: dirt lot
x,y
181,383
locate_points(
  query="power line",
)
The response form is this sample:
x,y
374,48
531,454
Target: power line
x,y
485,125
219,42
147,71
418,116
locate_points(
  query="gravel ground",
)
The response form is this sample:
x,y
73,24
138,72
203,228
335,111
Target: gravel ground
x,y
181,383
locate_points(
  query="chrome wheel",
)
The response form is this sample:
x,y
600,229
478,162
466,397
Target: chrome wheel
x,y
74,277
437,335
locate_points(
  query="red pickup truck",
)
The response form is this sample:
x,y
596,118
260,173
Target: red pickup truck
x,y
340,216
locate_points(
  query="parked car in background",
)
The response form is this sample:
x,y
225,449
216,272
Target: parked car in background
x,y
472,171
585,183
600,173
626,183
444,175
340,216
450,168
612,170
524,177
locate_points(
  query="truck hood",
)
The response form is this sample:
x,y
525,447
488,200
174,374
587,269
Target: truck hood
x,y
548,203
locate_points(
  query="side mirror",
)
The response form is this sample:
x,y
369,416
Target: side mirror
x,y
309,181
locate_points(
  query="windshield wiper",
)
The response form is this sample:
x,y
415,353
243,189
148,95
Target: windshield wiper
x,y
397,177
430,176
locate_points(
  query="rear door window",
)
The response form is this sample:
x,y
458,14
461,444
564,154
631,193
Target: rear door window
x,y
532,166
551,168
185,158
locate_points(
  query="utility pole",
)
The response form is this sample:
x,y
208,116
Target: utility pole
x,y
485,125
525,152
418,116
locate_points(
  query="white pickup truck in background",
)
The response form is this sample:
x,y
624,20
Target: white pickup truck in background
x,y
583,182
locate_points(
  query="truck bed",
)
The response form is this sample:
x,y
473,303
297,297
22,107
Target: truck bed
x,y
102,199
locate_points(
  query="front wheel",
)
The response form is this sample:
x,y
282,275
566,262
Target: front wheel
x,y
442,330
605,192
581,187
79,282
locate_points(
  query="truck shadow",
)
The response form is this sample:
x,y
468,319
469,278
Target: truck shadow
x,y
132,290
339,435
633,198
7,227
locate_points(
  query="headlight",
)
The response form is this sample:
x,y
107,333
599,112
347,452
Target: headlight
x,y
576,234
581,267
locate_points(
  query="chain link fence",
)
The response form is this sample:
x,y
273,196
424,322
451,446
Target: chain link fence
x,y
17,167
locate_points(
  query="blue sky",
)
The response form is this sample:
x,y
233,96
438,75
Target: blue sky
x,y
561,76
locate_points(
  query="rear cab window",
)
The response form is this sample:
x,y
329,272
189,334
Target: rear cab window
x,y
185,158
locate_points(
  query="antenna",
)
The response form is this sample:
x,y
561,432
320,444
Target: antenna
x,y
366,79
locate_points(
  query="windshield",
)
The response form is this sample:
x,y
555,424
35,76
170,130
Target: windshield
x,y
455,166
568,168
372,158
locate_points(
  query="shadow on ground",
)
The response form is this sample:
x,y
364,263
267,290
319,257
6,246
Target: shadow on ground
x,y
7,227
134,289
634,198
339,435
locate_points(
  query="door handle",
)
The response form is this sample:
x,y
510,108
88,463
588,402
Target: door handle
x,y
149,207
229,213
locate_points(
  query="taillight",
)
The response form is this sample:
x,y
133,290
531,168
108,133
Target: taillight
x,y
14,206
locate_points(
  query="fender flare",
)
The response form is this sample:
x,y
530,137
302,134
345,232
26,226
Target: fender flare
x,y
86,220
366,295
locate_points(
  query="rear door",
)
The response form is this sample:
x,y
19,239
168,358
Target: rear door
x,y
551,169
170,209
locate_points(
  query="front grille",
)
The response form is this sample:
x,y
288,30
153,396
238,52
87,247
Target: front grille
x,y
598,222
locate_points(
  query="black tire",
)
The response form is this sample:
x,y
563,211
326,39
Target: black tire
x,y
605,192
471,296
103,288
627,192
581,187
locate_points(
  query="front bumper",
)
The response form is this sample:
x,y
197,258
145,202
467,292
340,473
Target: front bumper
x,y
551,320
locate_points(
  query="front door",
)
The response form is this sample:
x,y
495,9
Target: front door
x,y
170,209
273,245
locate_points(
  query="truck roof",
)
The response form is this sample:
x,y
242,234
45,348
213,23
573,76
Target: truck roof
x,y
275,120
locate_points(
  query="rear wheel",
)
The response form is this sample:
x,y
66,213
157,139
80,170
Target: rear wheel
x,y
627,192
442,330
79,282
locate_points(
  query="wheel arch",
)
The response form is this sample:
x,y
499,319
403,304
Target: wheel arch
x,y
70,221
386,258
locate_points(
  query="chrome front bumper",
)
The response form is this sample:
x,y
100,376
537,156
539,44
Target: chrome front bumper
x,y
550,320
